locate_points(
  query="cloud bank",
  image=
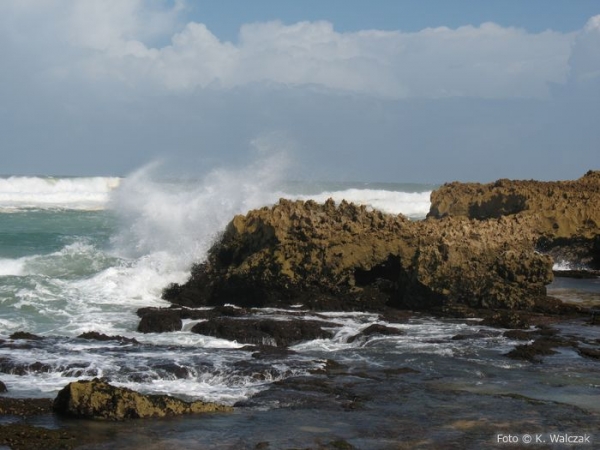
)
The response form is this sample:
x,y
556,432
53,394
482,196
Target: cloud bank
x,y
135,75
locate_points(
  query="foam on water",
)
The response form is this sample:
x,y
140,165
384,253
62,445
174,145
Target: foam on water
x,y
160,229
84,193
412,204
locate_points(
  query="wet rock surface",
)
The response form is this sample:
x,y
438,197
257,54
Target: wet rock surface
x,y
94,335
96,399
376,329
264,331
25,336
160,321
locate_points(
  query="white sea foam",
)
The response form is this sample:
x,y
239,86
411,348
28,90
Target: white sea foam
x,y
163,227
412,204
562,265
12,267
82,193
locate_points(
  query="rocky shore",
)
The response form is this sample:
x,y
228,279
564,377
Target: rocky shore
x,y
482,246
485,251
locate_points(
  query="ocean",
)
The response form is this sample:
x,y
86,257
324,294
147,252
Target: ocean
x,y
81,254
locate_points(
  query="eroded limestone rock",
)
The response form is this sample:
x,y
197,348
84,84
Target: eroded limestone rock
x,y
347,257
564,215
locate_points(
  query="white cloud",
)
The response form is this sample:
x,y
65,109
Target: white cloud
x,y
585,57
117,40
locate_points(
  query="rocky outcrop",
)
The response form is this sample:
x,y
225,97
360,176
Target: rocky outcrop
x,y
347,257
96,399
96,336
376,329
564,215
262,331
154,321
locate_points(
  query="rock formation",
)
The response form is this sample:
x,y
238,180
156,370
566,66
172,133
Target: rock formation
x,y
97,399
263,331
564,215
347,257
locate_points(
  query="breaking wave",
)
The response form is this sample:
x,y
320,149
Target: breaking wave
x,y
80,193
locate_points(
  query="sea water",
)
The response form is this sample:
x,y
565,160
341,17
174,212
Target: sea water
x,y
80,254
83,254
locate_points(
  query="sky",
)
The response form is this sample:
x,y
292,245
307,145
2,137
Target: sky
x,y
386,90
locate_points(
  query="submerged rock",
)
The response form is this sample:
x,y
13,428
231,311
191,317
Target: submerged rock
x,y
97,399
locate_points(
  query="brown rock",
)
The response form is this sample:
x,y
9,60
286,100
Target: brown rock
x,y
97,399
563,215
347,257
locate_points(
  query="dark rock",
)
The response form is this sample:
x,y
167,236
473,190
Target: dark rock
x,y
160,321
3,387
263,331
269,351
508,319
25,407
25,335
19,368
579,274
331,368
174,370
19,436
530,352
376,329
481,334
399,371
94,335
97,399
589,352
519,335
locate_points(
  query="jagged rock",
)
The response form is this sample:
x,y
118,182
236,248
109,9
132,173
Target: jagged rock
x,y
2,387
97,399
160,321
347,257
95,336
564,215
279,333
25,335
376,329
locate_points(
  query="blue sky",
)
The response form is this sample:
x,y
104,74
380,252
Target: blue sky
x,y
406,91
226,16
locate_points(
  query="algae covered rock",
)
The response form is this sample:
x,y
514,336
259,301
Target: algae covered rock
x,y
97,399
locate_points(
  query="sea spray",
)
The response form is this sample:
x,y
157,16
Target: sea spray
x,y
183,218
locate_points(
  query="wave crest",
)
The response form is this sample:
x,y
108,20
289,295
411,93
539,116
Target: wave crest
x,y
81,193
